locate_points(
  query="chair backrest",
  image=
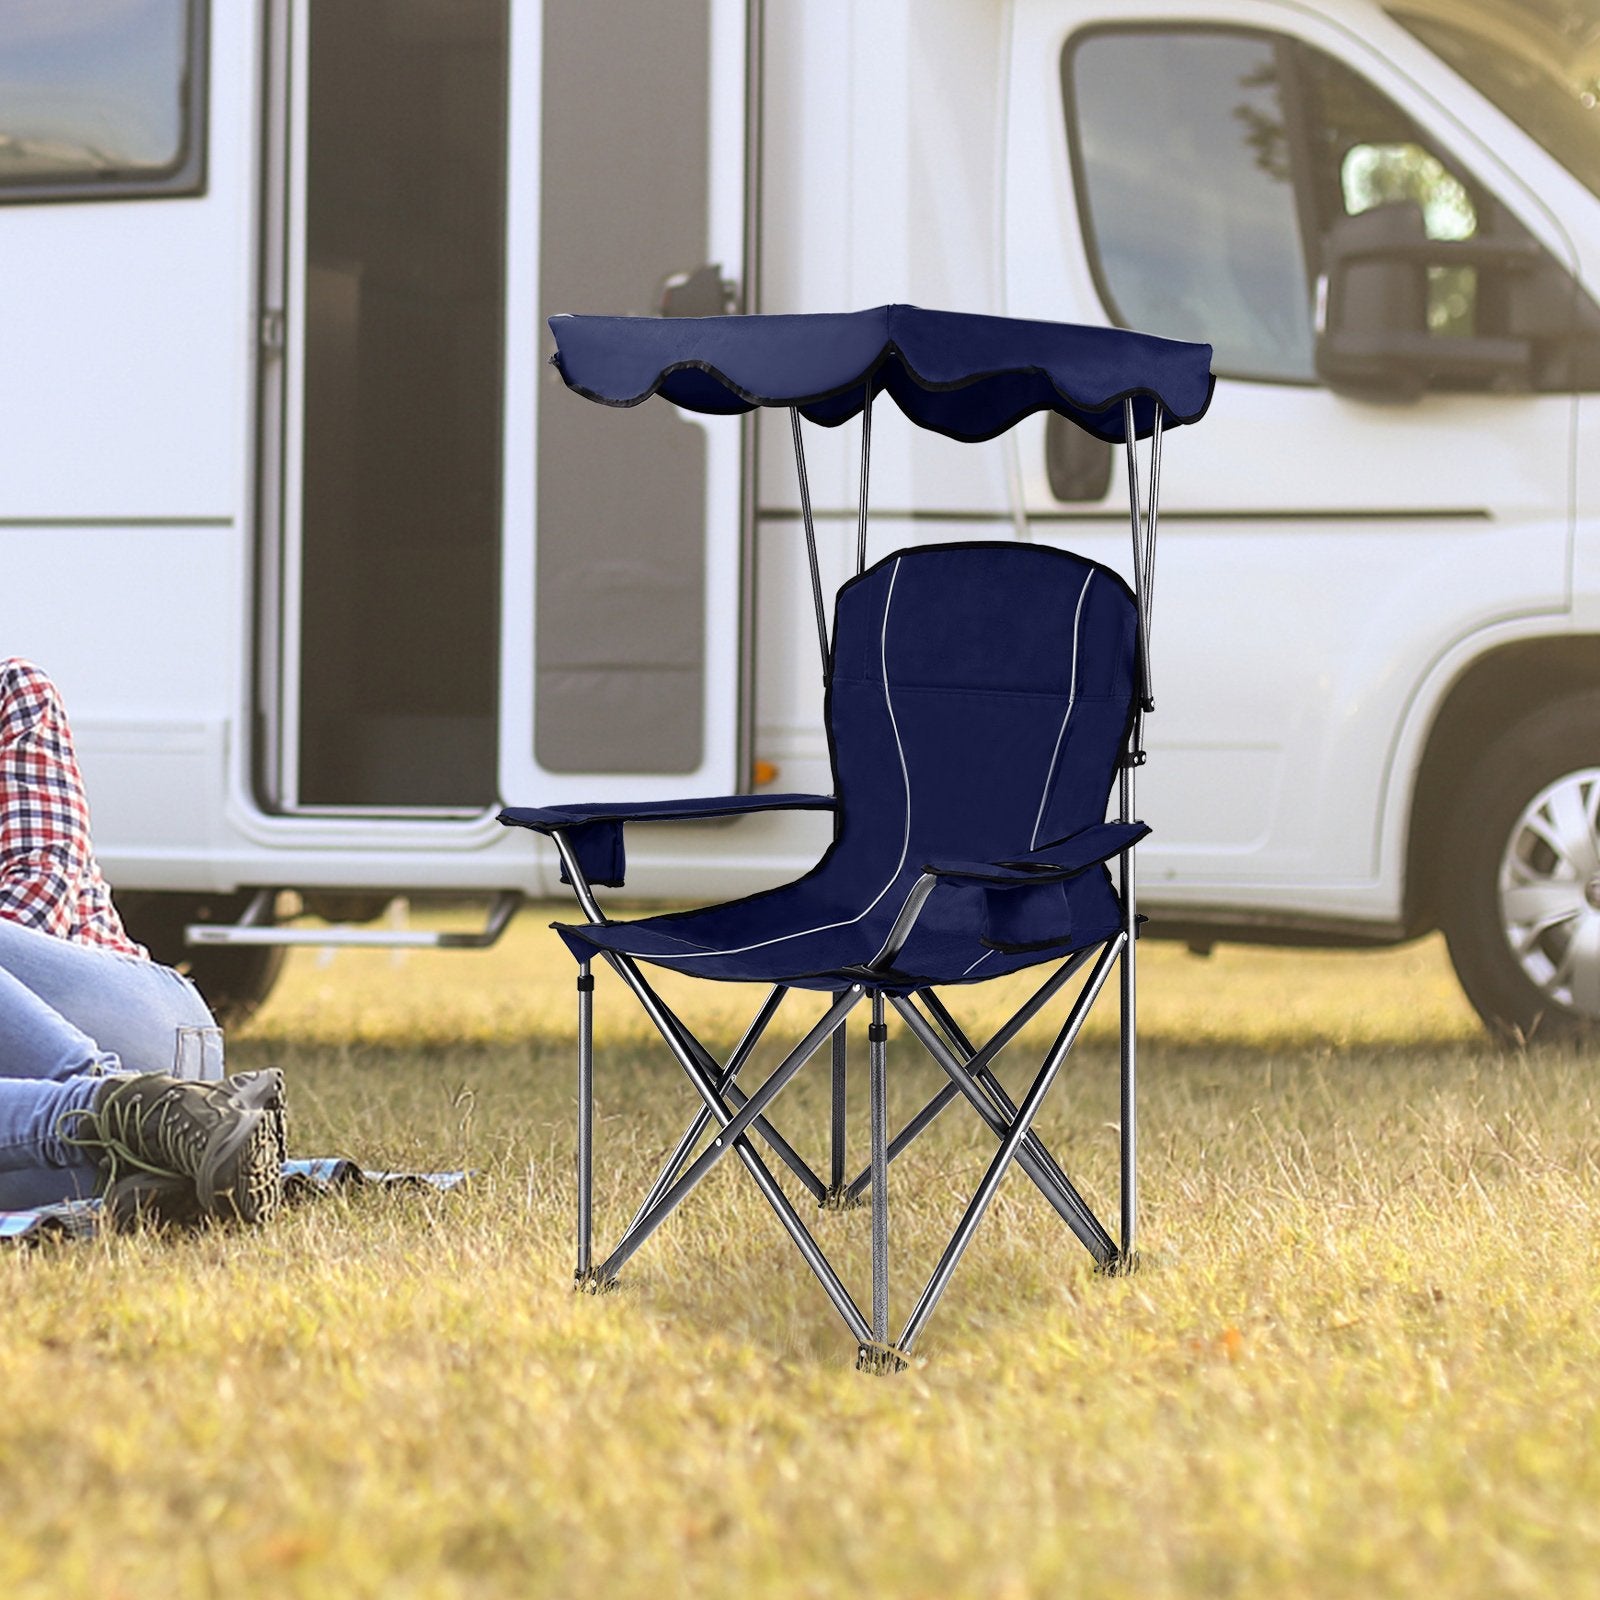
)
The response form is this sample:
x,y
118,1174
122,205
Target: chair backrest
x,y
979,699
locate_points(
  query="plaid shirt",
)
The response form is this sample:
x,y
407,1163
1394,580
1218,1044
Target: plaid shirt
x,y
48,876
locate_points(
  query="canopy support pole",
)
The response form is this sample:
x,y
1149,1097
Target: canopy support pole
x,y
811,536
1144,557
866,468
1150,518
1136,517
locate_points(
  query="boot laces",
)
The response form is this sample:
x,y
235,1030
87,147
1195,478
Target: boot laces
x,y
161,1138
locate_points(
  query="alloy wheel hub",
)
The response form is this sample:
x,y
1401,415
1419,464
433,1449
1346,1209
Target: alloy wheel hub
x,y
1549,891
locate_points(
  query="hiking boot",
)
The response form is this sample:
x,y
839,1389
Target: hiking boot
x,y
265,1088
156,1199
169,1200
258,1193
222,1137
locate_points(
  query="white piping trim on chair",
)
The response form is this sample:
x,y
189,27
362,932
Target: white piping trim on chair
x,y
1072,696
905,843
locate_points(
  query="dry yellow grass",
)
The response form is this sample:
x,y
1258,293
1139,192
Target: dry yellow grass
x,y
1360,1360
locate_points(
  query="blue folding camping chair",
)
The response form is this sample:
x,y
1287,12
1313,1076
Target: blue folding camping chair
x,y
983,701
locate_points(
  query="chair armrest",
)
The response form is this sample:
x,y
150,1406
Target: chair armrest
x,y
1033,869
594,831
1065,858
546,819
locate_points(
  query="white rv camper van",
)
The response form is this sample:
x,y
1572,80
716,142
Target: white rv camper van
x,y
329,565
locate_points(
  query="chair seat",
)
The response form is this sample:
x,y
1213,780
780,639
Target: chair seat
x,y
806,937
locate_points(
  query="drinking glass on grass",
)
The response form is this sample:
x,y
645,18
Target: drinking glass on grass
x,y
198,1054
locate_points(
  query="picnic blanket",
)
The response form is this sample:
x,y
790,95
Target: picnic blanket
x,y
303,1179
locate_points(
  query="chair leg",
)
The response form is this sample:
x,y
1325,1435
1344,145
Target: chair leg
x,y
977,1062
880,1172
836,1130
1068,1203
1010,1149
985,1075
585,1270
671,1029
742,1052
730,1130
1127,1253
912,1130
678,1041
664,1018
879,1356
703,1074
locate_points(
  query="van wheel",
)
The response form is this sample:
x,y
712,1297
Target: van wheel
x,y
234,980
1520,900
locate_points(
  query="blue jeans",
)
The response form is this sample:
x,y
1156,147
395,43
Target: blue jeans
x,y
69,1014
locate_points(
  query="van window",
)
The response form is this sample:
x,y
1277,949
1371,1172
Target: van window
x,y
1367,153
1211,163
1189,206
1535,62
100,98
1386,174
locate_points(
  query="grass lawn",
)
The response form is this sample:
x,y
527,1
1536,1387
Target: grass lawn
x,y
1360,1360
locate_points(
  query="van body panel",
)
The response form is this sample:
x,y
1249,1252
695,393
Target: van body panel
x,y
1330,564
128,333
1322,554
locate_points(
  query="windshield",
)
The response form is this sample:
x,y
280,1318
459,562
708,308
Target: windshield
x,y
1537,60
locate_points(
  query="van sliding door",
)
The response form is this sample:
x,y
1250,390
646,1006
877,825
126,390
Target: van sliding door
x,y
384,378
621,627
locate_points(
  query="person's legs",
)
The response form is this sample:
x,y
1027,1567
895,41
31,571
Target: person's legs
x,y
37,1042
129,1010
213,1150
83,1034
69,1015
37,1166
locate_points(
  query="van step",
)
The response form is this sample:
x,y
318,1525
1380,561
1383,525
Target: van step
x,y
252,929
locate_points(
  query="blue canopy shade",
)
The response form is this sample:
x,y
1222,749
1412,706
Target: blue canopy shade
x,y
966,376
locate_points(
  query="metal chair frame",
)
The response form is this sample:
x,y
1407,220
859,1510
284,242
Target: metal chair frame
x,y
738,1116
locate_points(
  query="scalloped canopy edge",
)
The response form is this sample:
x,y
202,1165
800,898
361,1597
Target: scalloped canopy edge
x,y
967,376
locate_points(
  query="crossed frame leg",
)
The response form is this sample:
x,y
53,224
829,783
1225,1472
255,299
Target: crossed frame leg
x,y
735,1115
971,1078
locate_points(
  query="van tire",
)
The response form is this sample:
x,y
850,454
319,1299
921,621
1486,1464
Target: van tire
x,y
1534,786
234,980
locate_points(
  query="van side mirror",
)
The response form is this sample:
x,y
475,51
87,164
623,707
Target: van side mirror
x,y
701,293
1373,340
